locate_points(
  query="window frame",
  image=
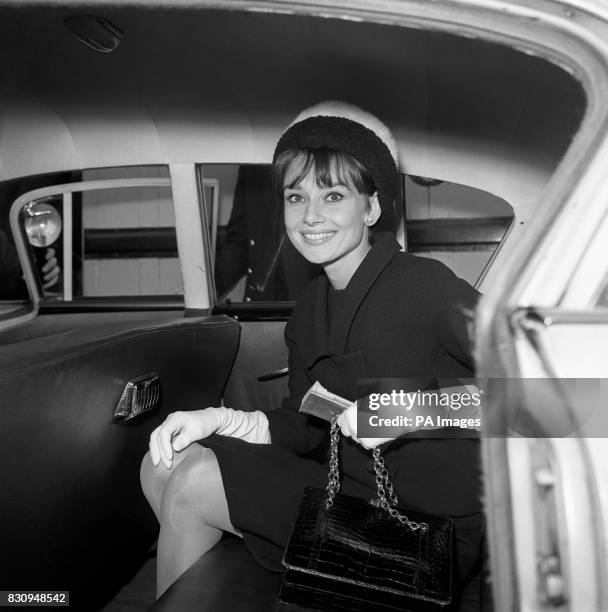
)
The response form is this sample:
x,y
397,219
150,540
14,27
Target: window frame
x,y
65,190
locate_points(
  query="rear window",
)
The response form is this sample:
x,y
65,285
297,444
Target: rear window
x,y
14,296
111,237
255,262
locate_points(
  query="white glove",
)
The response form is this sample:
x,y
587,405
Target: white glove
x,y
347,422
249,426
180,429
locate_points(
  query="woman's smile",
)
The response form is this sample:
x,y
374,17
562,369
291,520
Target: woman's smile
x,y
318,238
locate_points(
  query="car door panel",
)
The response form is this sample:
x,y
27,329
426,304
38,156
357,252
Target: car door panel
x,y
71,494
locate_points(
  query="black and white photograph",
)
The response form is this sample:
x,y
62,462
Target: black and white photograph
x,y
304,305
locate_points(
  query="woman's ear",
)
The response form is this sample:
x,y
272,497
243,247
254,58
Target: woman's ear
x,y
373,214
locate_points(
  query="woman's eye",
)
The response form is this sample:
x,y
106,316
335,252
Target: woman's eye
x,y
293,198
334,196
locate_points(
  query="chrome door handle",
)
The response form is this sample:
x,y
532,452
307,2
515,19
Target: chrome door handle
x,y
141,394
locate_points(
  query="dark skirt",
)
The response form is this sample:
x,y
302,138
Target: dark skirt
x,y
264,485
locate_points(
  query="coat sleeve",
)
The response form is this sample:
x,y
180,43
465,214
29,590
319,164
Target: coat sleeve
x,y
290,428
456,304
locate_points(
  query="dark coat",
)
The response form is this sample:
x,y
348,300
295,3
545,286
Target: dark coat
x,y
402,317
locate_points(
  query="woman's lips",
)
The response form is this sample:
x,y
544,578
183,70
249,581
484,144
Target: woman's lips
x,y
318,237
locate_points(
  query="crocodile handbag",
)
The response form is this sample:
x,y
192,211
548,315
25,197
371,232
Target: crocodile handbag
x,y
347,553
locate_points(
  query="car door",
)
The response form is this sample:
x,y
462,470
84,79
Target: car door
x,y
90,365
542,338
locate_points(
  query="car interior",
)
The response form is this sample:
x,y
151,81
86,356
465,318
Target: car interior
x,y
132,123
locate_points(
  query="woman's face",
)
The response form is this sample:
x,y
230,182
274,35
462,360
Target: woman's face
x,y
327,224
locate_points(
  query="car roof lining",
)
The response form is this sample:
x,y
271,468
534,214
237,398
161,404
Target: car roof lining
x,y
206,85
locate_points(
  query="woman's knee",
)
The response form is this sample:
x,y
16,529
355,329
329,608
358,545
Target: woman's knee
x,y
150,476
195,489
154,479
190,481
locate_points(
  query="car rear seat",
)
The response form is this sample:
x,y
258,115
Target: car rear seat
x,y
225,579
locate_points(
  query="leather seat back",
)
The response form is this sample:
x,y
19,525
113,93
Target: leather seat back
x,y
73,514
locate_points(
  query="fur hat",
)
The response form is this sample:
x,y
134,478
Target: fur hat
x,y
348,128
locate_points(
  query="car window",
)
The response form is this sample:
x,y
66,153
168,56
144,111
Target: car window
x,y
456,224
254,261
14,296
128,245
114,236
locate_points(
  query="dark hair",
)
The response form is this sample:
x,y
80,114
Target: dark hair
x,y
328,165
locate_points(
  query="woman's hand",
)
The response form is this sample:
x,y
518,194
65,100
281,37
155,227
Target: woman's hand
x,y
347,422
179,430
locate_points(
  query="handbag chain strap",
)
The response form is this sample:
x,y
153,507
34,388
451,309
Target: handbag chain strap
x,y
333,484
387,498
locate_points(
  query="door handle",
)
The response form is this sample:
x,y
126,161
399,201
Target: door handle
x,y
141,394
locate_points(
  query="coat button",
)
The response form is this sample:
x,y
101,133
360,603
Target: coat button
x,y
249,271
251,242
248,299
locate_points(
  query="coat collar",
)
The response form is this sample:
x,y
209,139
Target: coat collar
x,y
326,342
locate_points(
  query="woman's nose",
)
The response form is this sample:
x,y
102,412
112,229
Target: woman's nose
x,y
312,214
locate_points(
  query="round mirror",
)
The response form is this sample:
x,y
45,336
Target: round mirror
x,y
42,223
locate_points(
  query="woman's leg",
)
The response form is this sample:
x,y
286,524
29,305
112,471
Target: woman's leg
x,y
154,479
191,506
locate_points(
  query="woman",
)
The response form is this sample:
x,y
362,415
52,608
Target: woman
x,y
375,314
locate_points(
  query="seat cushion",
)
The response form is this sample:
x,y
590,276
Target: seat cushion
x,y
226,578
